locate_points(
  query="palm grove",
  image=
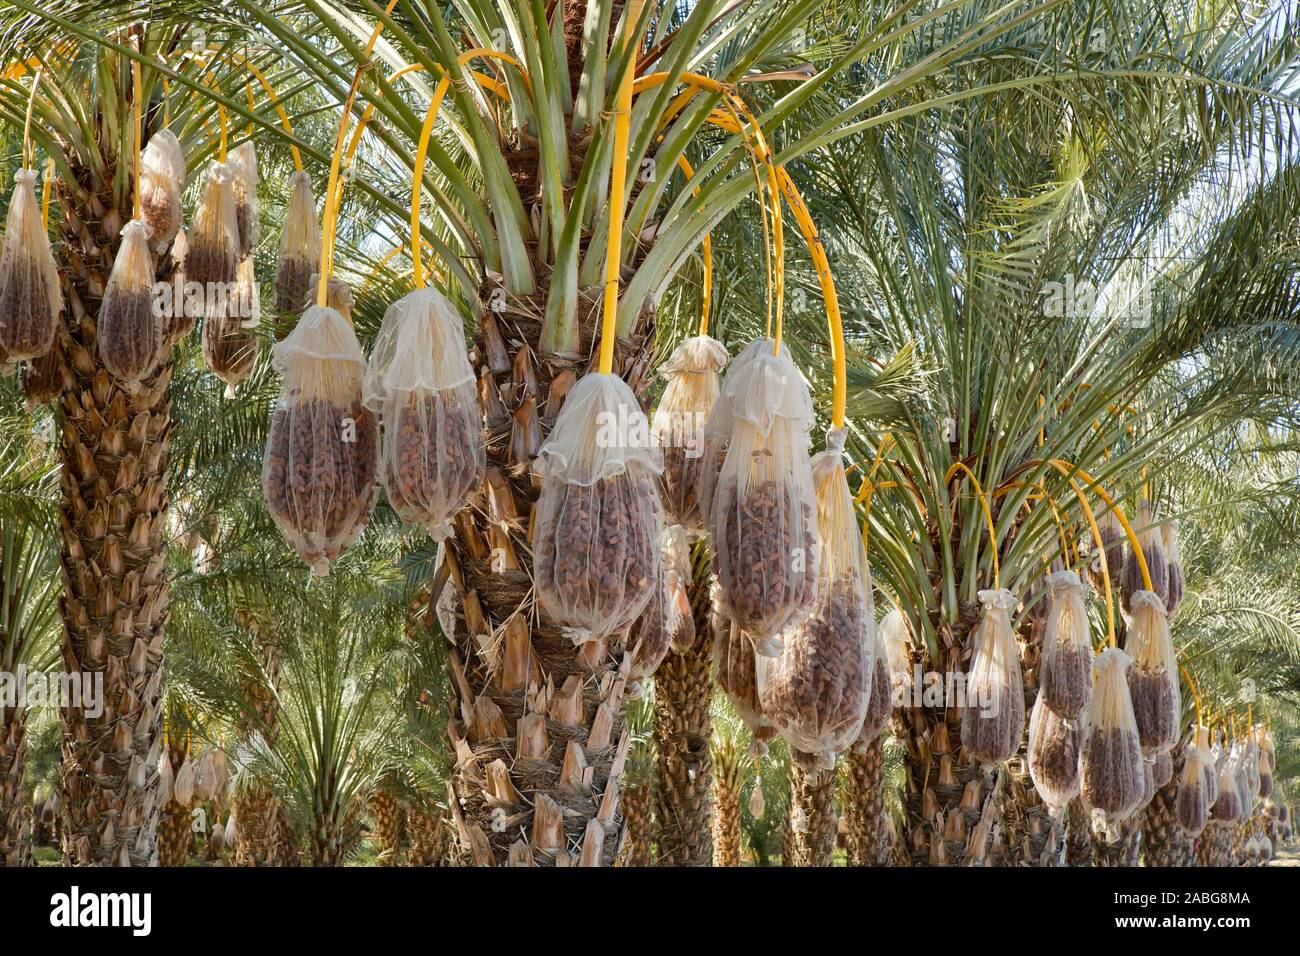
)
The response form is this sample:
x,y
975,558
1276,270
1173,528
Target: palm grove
x,y
359,574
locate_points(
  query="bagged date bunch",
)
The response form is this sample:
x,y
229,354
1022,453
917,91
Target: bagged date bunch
x,y
717,430
895,640
422,387
243,161
676,560
1192,801
1153,678
762,519
1230,805
1112,545
678,425
598,516
1153,549
299,247
229,344
30,299
213,255
318,475
880,699
162,179
1163,768
666,616
1054,743
1174,557
816,691
1266,760
1065,669
1209,762
179,319
130,330
734,668
994,716
1110,763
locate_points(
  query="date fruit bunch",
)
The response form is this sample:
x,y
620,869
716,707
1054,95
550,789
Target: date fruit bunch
x,y
691,373
1174,559
162,179
229,342
1192,800
598,516
213,254
1110,763
318,473
131,332
993,719
667,623
717,428
816,690
762,511
1054,743
243,162
1153,678
1065,669
734,668
1153,550
299,247
422,387
895,638
30,299
880,701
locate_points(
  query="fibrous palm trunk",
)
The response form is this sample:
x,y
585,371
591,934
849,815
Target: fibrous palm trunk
x,y
950,805
638,811
430,836
1078,835
175,835
175,830
1214,848
259,837
1125,851
390,824
812,811
15,816
867,840
726,825
1163,841
113,450
683,729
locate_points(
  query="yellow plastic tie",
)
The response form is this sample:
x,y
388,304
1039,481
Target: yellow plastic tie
x,y
618,183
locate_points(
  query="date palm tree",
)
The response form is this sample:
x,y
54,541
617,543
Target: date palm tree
x,y
518,171
949,230
28,615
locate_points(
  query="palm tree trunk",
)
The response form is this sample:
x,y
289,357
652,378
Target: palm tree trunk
x,y
113,449
950,805
868,841
1078,835
638,809
259,836
15,816
1030,837
1163,841
1214,848
175,830
175,835
390,824
1125,851
683,729
430,837
812,811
